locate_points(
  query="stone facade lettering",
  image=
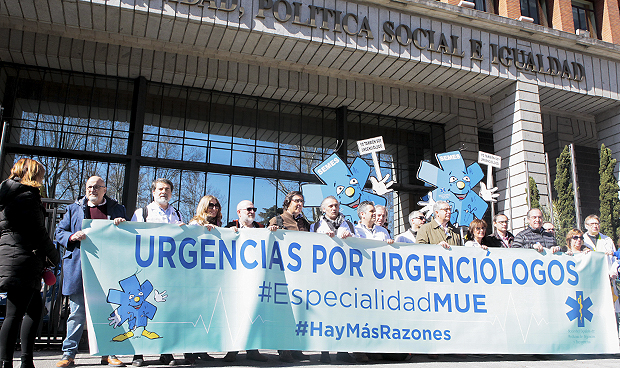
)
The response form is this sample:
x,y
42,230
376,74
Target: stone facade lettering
x,y
356,25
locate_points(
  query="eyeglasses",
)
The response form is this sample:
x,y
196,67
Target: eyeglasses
x,y
95,187
593,223
213,205
449,209
298,200
577,237
502,222
552,230
251,209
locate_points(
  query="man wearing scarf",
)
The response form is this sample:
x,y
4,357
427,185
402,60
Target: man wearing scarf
x,y
332,222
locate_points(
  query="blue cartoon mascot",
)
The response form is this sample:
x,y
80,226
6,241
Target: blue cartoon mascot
x,y
133,307
344,183
455,183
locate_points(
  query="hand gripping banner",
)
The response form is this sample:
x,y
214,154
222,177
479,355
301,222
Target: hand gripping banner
x,y
155,288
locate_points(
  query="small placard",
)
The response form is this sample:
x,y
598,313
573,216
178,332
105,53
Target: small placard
x,y
489,159
371,145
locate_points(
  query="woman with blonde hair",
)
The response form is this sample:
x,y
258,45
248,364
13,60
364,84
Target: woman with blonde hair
x,y
574,242
25,250
208,213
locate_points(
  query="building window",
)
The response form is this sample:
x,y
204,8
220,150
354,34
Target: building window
x,y
207,142
583,17
480,5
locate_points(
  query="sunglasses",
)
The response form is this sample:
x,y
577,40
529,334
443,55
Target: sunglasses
x,y
577,237
251,209
420,218
213,205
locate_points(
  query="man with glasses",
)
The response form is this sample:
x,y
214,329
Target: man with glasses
x,y
439,230
160,211
94,205
501,237
247,215
534,236
416,219
292,218
598,242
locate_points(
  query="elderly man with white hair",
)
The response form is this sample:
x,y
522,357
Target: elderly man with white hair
x,y
416,219
332,222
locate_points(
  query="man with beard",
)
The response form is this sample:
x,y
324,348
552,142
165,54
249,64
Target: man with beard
x,y
94,205
292,218
332,222
159,211
247,215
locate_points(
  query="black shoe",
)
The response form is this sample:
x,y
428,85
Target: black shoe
x,y
325,358
286,356
204,357
297,354
137,361
189,358
28,363
343,356
166,359
256,356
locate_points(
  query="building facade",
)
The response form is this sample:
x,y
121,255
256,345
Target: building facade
x,y
242,98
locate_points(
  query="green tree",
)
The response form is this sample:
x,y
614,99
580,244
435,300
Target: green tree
x,y
565,205
608,195
534,194
268,213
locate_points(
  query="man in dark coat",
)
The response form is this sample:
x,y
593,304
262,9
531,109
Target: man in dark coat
x,y
95,205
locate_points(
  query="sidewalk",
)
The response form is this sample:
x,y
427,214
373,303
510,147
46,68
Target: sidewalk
x,y
48,359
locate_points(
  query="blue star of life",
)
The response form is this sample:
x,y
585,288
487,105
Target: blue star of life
x,y
580,309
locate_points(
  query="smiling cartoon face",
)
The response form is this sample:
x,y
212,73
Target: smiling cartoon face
x,y
136,300
348,190
459,183
132,294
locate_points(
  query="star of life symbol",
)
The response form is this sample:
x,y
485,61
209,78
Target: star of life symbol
x,y
580,309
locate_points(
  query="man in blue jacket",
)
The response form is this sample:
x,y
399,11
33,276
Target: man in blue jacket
x,y
94,205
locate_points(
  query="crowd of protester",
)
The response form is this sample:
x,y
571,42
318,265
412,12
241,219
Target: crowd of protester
x,y
26,249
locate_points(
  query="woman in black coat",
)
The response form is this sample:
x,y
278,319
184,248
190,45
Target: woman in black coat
x,y
25,250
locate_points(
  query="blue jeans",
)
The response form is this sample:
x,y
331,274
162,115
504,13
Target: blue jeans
x,y
75,325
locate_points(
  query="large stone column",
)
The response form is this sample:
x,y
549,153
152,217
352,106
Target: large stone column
x,y
518,139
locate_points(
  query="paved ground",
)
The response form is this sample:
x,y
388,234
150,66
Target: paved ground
x,y
48,358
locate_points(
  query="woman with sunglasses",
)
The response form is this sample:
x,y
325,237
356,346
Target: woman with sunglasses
x,y
574,242
475,234
208,213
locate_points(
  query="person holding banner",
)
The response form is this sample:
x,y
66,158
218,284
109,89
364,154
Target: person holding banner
x,y
574,242
534,236
94,205
160,211
416,219
25,249
367,227
332,222
381,217
208,213
476,233
292,218
439,230
501,237
246,213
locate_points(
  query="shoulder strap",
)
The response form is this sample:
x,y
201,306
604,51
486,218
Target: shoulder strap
x,y
178,213
145,213
315,226
350,225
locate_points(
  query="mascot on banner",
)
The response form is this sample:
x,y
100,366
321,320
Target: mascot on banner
x,y
133,307
455,182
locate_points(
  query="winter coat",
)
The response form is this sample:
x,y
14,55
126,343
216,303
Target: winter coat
x,y
25,246
69,225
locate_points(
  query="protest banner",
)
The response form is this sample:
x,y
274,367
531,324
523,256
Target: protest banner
x,y
157,288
